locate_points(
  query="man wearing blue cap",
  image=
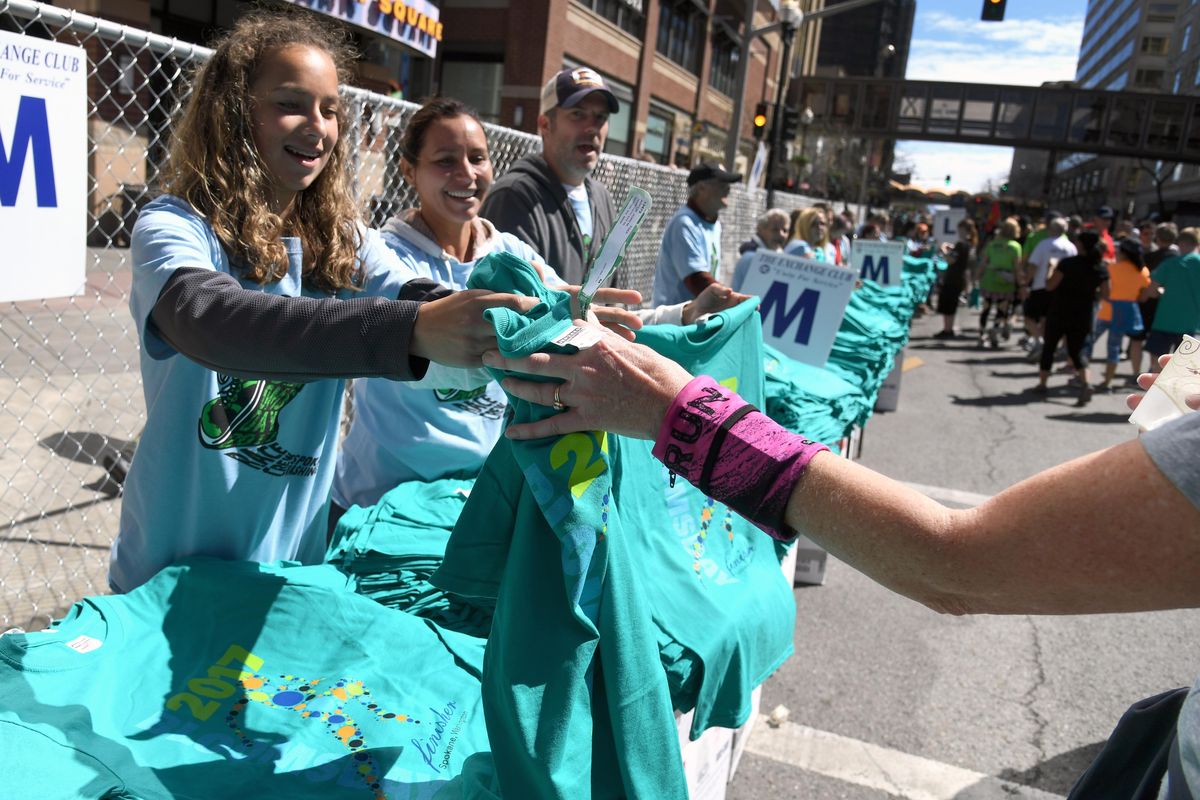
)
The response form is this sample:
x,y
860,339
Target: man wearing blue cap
x,y
550,200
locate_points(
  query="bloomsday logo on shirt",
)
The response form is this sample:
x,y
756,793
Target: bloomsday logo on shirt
x,y
244,418
337,706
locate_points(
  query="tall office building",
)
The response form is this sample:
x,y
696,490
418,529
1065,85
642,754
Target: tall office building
x,y
872,41
1127,45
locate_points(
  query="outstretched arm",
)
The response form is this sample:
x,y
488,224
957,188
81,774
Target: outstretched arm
x,y
1059,542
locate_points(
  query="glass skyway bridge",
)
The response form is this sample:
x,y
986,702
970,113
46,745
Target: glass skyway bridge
x,y
1139,124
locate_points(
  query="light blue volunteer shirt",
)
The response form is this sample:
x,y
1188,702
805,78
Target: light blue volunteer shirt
x,y
690,244
801,248
403,431
226,467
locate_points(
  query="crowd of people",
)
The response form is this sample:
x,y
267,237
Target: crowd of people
x,y
1076,282
257,288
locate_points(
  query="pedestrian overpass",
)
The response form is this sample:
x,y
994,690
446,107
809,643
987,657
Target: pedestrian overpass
x,y
1138,124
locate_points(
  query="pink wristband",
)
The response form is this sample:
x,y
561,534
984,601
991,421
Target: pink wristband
x,y
734,453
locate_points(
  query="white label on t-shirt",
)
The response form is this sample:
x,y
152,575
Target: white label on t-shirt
x,y
84,644
583,338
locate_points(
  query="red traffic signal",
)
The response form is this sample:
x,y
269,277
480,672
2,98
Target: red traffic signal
x,y
993,10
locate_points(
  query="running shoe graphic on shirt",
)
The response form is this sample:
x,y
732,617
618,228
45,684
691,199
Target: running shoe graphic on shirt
x,y
472,401
458,395
246,413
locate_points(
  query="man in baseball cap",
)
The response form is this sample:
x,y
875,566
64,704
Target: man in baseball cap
x,y
569,87
550,200
691,243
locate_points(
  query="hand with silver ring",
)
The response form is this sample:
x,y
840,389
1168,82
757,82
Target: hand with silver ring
x,y
558,403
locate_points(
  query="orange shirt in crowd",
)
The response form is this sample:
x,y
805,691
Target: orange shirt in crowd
x,y
1125,283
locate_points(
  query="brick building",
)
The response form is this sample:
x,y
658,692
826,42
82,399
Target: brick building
x,y
672,63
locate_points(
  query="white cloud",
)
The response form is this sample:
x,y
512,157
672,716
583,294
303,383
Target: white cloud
x,y
962,64
970,167
1024,54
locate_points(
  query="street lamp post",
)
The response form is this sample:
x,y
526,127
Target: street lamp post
x,y
789,14
806,119
790,19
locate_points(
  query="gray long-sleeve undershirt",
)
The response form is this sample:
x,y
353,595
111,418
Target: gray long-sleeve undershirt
x,y
210,318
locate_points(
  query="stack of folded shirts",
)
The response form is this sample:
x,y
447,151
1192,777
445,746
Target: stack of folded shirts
x,y
812,401
392,548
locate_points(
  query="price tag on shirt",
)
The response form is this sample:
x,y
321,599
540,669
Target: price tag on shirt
x,y
582,338
633,213
84,644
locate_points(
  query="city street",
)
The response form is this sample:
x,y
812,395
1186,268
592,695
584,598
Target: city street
x,y
888,699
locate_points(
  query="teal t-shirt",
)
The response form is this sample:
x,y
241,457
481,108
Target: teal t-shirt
x,y
1179,308
576,700
392,549
236,679
711,578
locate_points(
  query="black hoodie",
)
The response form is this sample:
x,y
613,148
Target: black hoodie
x,y
529,201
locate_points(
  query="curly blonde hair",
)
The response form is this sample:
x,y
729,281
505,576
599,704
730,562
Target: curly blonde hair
x,y
215,167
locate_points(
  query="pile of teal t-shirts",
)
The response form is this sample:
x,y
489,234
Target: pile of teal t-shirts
x,y
724,612
236,679
875,328
812,401
576,701
865,346
919,276
392,548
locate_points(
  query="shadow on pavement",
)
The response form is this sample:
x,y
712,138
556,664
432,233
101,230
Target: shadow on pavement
x,y
84,447
109,452
995,360
1006,399
1057,774
1091,417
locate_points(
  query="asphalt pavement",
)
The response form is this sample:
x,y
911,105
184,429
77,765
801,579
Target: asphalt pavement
x,y
886,698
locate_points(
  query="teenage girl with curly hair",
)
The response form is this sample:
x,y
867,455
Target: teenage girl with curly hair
x,y
256,291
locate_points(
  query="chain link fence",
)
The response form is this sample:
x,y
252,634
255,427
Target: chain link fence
x,y
70,389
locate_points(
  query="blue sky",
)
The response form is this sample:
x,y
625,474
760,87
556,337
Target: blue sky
x,y
1037,41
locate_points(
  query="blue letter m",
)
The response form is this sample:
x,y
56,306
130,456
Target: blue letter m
x,y
871,271
805,308
32,126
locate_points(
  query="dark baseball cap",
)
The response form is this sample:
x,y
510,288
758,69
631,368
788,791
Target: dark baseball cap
x,y
568,88
1105,212
712,171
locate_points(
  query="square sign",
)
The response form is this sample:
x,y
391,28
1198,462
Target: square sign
x,y
882,262
803,302
945,224
43,168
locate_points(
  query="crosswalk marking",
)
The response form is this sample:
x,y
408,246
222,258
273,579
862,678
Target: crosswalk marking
x,y
865,764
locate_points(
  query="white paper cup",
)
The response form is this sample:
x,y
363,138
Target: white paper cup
x,y
1179,379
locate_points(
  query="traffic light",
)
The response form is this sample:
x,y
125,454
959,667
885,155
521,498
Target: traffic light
x,y
993,10
760,120
791,124
947,180
1003,188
